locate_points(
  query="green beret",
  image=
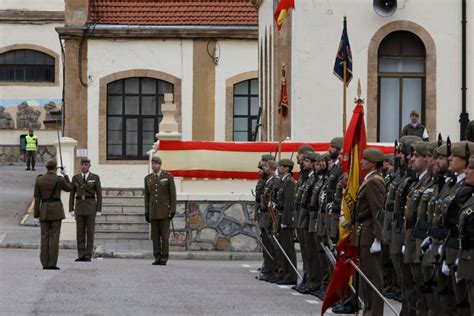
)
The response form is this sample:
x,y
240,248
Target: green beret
x,y
267,157
156,159
459,149
431,148
286,162
272,164
51,164
388,157
336,142
442,150
304,148
420,148
310,156
407,141
374,155
325,156
85,160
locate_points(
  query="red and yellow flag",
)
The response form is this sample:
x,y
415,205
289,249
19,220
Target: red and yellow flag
x,y
355,142
283,105
281,12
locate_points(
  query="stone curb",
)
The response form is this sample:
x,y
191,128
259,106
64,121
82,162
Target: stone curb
x,y
30,245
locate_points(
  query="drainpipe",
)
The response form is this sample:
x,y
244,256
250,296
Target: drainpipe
x,y
464,116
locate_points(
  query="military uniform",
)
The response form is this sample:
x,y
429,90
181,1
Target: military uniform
x,y
85,200
285,196
49,209
160,208
367,231
259,222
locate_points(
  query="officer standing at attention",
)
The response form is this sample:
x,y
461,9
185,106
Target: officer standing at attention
x,y
85,203
31,141
160,208
50,212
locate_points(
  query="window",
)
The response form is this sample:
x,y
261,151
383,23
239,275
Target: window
x,y
26,65
245,110
133,116
401,76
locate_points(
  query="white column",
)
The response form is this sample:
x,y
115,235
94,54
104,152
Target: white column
x,y
68,154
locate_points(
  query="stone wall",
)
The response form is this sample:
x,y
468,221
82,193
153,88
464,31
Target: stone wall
x,y
11,154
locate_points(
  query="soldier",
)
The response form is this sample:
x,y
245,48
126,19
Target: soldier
x,y
259,215
421,181
465,269
285,200
49,210
397,227
85,203
266,222
334,190
160,208
303,177
313,274
414,128
367,232
450,209
31,141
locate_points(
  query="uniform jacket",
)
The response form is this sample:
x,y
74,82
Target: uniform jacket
x,y
370,200
306,188
86,197
466,229
285,197
160,195
44,187
259,187
269,189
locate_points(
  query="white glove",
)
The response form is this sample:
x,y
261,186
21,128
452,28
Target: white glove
x,y
98,214
36,221
427,241
440,250
63,171
445,269
456,263
72,214
376,247
403,249
283,226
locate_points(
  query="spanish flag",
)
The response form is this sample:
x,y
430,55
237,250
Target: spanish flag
x,y
281,12
354,144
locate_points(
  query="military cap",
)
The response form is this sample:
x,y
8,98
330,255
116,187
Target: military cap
x,y
336,142
51,164
267,157
459,149
156,159
325,156
388,157
85,160
431,147
442,150
374,155
407,141
420,148
471,162
414,113
304,148
272,164
319,157
310,156
286,162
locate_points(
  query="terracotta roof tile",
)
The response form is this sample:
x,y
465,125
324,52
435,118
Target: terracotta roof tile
x,y
174,12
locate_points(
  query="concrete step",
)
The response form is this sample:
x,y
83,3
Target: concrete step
x,y
121,218
123,200
127,209
122,227
113,234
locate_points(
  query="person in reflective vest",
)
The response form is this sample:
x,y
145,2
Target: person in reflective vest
x,y
31,148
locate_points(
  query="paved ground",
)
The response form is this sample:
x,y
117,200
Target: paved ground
x,y
135,287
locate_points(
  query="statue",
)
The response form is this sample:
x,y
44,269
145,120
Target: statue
x,y
27,117
6,120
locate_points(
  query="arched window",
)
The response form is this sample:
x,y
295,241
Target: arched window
x,y
401,75
245,110
26,65
133,116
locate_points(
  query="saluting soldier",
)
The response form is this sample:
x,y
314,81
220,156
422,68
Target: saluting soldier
x,y
50,212
160,208
285,198
465,269
367,232
85,203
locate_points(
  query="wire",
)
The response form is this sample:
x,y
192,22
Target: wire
x,y
217,49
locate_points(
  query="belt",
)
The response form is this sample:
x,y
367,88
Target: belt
x,y
467,243
87,197
50,200
438,233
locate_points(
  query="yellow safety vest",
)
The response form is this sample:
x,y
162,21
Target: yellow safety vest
x,y
31,142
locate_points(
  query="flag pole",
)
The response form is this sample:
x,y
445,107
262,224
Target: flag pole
x,y
280,120
344,93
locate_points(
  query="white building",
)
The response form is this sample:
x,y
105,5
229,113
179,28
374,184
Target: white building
x,y
409,60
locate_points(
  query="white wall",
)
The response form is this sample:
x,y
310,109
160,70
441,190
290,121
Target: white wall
x,y
105,57
317,99
470,57
38,5
12,136
236,57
